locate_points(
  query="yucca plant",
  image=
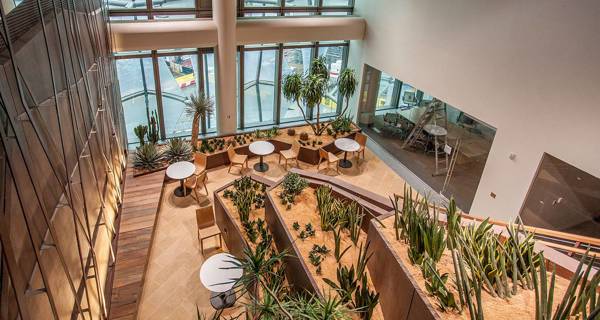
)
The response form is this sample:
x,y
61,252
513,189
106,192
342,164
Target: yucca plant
x,y
140,132
309,90
198,108
354,217
434,240
148,157
178,150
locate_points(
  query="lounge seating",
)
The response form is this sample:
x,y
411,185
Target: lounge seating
x,y
290,154
236,159
329,158
205,219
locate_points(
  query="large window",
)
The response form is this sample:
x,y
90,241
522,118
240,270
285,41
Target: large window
x,y
181,73
253,8
159,9
294,60
138,96
263,68
259,87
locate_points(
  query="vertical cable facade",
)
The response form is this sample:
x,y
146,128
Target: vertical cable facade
x,y
61,159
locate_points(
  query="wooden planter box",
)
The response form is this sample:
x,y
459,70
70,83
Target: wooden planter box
x,y
232,234
297,272
399,294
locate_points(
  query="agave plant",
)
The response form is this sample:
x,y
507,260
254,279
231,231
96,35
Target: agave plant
x,y
178,150
148,157
198,108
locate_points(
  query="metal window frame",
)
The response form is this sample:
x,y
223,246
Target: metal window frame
x,y
280,47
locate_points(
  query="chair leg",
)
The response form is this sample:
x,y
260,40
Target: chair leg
x,y
220,241
205,189
202,246
297,163
279,158
229,171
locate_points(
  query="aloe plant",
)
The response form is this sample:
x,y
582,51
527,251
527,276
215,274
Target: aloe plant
x,y
292,185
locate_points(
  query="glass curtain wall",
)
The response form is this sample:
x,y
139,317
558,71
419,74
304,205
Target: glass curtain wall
x,y
259,87
252,8
159,9
262,70
178,74
138,94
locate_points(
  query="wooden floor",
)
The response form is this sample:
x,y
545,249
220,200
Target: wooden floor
x,y
141,199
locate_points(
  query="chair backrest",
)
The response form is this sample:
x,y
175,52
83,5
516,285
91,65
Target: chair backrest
x,y
323,153
361,139
296,147
201,177
193,180
205,217
230,153
200,160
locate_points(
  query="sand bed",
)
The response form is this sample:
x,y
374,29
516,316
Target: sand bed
x,y
519,306
304,211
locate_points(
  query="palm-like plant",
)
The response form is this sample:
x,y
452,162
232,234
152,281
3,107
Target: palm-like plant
x,y
198,108
309,89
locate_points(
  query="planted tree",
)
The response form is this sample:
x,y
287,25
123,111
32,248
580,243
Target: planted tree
x,y
198,108
309,89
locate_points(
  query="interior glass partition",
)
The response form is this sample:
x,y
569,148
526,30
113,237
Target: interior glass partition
x,y
249,8
441,144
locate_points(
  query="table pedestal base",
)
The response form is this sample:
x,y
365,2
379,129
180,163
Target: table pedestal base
x,y
179,191
261,166
222,300
344,163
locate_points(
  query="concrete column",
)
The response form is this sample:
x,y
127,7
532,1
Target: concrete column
x,y
225,16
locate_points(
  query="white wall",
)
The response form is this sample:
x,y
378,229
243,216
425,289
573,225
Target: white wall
x,y
529,68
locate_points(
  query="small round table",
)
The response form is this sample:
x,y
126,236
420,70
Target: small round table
x,y
435,130
219,274
261,149
346,145
180,171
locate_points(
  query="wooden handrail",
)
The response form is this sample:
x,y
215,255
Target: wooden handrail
x,y
568,248
540,231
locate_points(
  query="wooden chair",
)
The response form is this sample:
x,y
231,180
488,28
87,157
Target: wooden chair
x,y
205,218
330,158
195,181
236,159
362,141
290,154
199,162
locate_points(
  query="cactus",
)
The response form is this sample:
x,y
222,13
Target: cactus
x,y
140,132
153,128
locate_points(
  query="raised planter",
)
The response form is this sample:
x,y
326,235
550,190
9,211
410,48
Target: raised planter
x,y
299,274
399,294
231,231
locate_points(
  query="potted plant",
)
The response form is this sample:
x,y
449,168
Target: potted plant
x,y
310,88
198,107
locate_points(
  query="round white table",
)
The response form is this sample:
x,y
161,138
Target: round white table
x,y
180,171
219,274
435,130
346,145
261,149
